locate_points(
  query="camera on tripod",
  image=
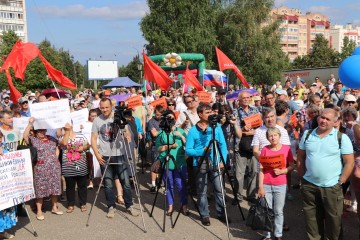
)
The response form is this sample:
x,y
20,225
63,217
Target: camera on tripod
x,y
120,115
167,121
216,118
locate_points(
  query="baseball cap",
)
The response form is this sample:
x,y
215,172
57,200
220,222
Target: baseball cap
x,y
349,98
5,96
314,84
281,92
22,99
32,95
257,98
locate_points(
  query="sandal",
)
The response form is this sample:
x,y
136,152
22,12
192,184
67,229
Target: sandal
x,y
120,200
83,208
70,209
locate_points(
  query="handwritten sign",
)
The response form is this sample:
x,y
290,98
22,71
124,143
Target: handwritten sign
x,y
160,101
50,115
275,161
134,101
16,178
204,97
78,118
255,120
21,124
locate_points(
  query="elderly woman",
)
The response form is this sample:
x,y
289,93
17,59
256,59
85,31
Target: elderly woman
x,y
47,171
272,181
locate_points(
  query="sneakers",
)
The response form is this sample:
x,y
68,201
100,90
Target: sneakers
x,y
111,212
132,212
153,190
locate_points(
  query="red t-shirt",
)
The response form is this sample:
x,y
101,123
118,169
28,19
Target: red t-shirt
x,y
269,176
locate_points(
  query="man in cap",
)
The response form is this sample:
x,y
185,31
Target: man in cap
x,y
293,107
24,104
349,101
6,103
337,97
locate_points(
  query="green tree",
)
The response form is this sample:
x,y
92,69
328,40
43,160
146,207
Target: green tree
x,y
131,70
347,48
181,26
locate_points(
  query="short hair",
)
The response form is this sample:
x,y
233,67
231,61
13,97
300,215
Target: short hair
x,y
93,111
269,93
159,108
105,99
2,113
14,106
312,97
313,108
216,106
243,92
188,96
202,107
281,107
271,130
267,110
350,110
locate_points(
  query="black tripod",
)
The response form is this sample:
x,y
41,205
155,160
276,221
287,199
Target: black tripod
x,y
218,157
165,170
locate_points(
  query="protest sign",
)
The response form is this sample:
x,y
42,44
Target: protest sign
x,y
294,120
16,178
134,101
50,115
275,161
21,124
160,101
204,97
78,118
255,120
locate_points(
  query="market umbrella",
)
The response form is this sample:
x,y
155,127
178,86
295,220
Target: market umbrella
x,y
235,95
52,92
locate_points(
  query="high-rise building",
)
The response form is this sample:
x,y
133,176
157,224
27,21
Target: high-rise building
x,y
298,31
13,17
339,32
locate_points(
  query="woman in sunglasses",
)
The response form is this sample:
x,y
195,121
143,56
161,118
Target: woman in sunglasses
x,y
172,106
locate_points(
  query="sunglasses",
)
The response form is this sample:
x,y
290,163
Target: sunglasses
x,y
25,102
171,104
350,102
190,101
296,94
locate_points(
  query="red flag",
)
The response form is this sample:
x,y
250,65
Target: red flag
x,y
190,79
226,63
14,93
57,75
19,58
154,73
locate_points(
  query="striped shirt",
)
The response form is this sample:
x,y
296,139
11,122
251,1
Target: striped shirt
x,y
261,140
78,167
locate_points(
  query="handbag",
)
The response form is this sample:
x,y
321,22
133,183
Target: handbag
x,y
260,216
156,167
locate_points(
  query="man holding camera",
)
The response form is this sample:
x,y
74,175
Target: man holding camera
x,y
204,165
107,143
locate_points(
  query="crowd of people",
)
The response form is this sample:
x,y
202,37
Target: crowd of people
x,y
313,128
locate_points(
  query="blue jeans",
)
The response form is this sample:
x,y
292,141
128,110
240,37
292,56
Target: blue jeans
x,y
120,170
275,197
201,188
174,178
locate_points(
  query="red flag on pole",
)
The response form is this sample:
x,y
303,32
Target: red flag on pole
x,y
190,79
154,73
226,63
14,93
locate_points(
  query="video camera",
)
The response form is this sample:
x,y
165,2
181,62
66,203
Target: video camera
x,y
216,118
167,121
120,114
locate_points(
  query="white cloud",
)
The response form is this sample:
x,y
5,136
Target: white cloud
x,y
134,10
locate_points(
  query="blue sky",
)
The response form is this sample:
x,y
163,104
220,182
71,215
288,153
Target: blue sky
x,y
109,29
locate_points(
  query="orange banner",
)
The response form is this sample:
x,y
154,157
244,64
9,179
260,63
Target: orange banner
x,y
275,161
255,120
134,101
204,97
160,101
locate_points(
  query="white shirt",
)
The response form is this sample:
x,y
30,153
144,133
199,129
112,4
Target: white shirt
x,y
261,140
194,118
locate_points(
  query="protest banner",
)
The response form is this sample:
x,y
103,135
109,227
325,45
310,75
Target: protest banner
x,y
51,115
78,118
160,101
275,161
134,101
16,178
255,120
21,124
204,97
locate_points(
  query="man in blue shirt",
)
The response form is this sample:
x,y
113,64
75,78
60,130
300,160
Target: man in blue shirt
x,y
325,163
197,142
24,104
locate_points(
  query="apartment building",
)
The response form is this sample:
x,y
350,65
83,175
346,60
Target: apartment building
x,y
298,31
339,32
13,17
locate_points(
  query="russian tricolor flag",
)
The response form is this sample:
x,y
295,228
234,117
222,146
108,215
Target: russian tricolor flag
x,y
214,78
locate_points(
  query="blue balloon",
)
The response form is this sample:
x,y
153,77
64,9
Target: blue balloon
x,y
349,71
356,51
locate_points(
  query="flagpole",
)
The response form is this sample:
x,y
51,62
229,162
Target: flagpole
x,y
47,77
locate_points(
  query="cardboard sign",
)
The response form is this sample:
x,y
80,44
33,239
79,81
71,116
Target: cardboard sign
x,y
21,124
275,161
160,101
294,120
50,115
78,118
134,101
16,178
204,97
255,120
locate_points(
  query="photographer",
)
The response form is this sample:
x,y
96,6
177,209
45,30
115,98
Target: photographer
x,y
177,172
196,146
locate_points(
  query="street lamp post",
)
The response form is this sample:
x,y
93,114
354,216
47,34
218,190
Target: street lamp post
x,y
140,67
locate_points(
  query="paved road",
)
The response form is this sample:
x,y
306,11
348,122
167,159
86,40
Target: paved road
x,y
123,226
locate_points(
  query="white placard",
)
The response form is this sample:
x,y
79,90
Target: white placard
x,y
78,118
16,178
51,115
21,124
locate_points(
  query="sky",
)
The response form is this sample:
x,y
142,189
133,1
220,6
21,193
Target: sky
x,y
109,29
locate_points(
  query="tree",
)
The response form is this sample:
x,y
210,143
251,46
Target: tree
x,y
347,48
131,70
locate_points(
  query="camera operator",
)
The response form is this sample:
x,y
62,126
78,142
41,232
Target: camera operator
x,y
196,146
177,172
103,135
